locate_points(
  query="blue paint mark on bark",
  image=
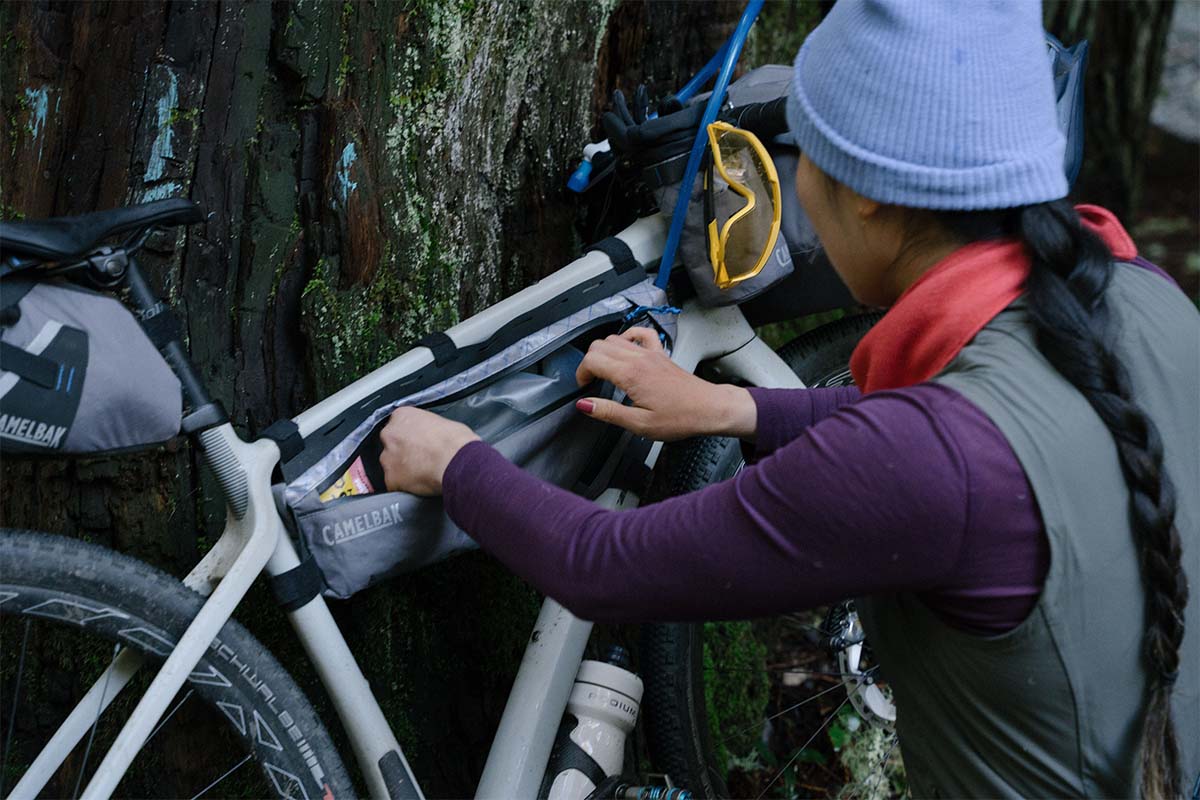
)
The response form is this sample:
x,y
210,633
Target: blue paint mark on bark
x,y
345,185
163,146
38,101
161,192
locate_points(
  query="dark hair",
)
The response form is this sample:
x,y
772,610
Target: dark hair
x,y
1077,333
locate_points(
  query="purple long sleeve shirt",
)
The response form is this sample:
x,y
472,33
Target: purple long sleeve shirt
x,y
912,489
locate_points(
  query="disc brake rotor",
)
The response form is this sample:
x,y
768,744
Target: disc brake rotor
x,y
845,637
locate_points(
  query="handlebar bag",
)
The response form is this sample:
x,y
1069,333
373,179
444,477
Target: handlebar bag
x,y
78,374
519,399
760,85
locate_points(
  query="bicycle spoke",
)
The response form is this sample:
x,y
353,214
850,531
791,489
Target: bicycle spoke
x,y
228,772
95,723
810,698
86,608
170,714
793,707
809,741
789,670
12,719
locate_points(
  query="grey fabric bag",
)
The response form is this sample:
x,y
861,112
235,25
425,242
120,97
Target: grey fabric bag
x,y
78,374
521,401
693,248
757,86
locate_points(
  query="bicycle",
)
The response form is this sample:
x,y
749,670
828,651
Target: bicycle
x,y
152,616
188,624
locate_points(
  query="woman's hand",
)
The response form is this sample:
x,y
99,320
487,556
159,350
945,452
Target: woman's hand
x,y
668,402
417,448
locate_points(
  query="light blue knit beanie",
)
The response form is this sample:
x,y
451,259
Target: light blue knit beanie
x,y
940,104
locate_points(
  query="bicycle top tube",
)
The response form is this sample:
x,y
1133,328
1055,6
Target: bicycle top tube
x,y
644,239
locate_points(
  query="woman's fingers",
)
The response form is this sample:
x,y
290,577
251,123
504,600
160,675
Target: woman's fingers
x,y
646,337
608,358
417,447
596,365
630,418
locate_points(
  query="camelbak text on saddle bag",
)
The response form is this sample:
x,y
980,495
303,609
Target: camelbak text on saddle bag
x,y
78,374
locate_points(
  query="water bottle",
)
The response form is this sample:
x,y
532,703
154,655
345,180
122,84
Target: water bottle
x,y
601,711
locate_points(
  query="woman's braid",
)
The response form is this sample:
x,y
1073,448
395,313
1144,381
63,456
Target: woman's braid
x,y
1076,334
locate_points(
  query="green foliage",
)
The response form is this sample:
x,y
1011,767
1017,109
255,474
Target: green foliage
x,y
358,328
779,32
189,115
736,688
869,755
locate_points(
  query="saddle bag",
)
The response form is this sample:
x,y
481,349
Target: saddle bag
x,y
517,391
78,374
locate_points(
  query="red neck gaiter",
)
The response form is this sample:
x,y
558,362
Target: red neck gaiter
x,y
935,317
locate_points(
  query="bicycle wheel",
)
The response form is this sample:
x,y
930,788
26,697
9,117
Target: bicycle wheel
x,y
738,709
66,606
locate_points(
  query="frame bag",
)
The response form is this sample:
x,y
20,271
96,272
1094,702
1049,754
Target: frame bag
x,y
517,393
78,374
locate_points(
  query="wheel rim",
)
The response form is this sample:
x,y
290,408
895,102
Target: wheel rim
x,y
60,657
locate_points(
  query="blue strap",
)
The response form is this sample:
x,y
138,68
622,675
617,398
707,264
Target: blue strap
x,y
640,310
733,49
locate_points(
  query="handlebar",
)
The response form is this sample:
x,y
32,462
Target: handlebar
x,y
765,120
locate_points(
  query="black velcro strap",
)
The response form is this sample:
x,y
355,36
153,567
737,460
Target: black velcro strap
x,y
618,253
443,347
162,328
13,291
294,588
666,173
37,369
286,434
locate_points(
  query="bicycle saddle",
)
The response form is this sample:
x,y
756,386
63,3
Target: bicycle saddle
x,y
60,238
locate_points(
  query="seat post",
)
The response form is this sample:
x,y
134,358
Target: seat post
x,y
163,329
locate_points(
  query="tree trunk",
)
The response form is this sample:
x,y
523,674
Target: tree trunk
x,y
1127,42
369,172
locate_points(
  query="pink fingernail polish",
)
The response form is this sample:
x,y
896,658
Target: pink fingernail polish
x,y
586,406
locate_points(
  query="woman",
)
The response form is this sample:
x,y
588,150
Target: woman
x,y
1002,492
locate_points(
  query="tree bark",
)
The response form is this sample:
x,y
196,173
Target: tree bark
x,y
368,172
1127,43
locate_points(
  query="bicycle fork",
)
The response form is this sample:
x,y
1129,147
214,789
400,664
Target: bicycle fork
x,y
235,561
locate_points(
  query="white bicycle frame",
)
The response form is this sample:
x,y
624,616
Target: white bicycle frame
x,y
255,540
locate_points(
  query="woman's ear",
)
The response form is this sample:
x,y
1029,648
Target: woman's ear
x,y
865,207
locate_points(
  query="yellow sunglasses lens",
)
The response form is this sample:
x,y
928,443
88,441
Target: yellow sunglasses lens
x,y
747,213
